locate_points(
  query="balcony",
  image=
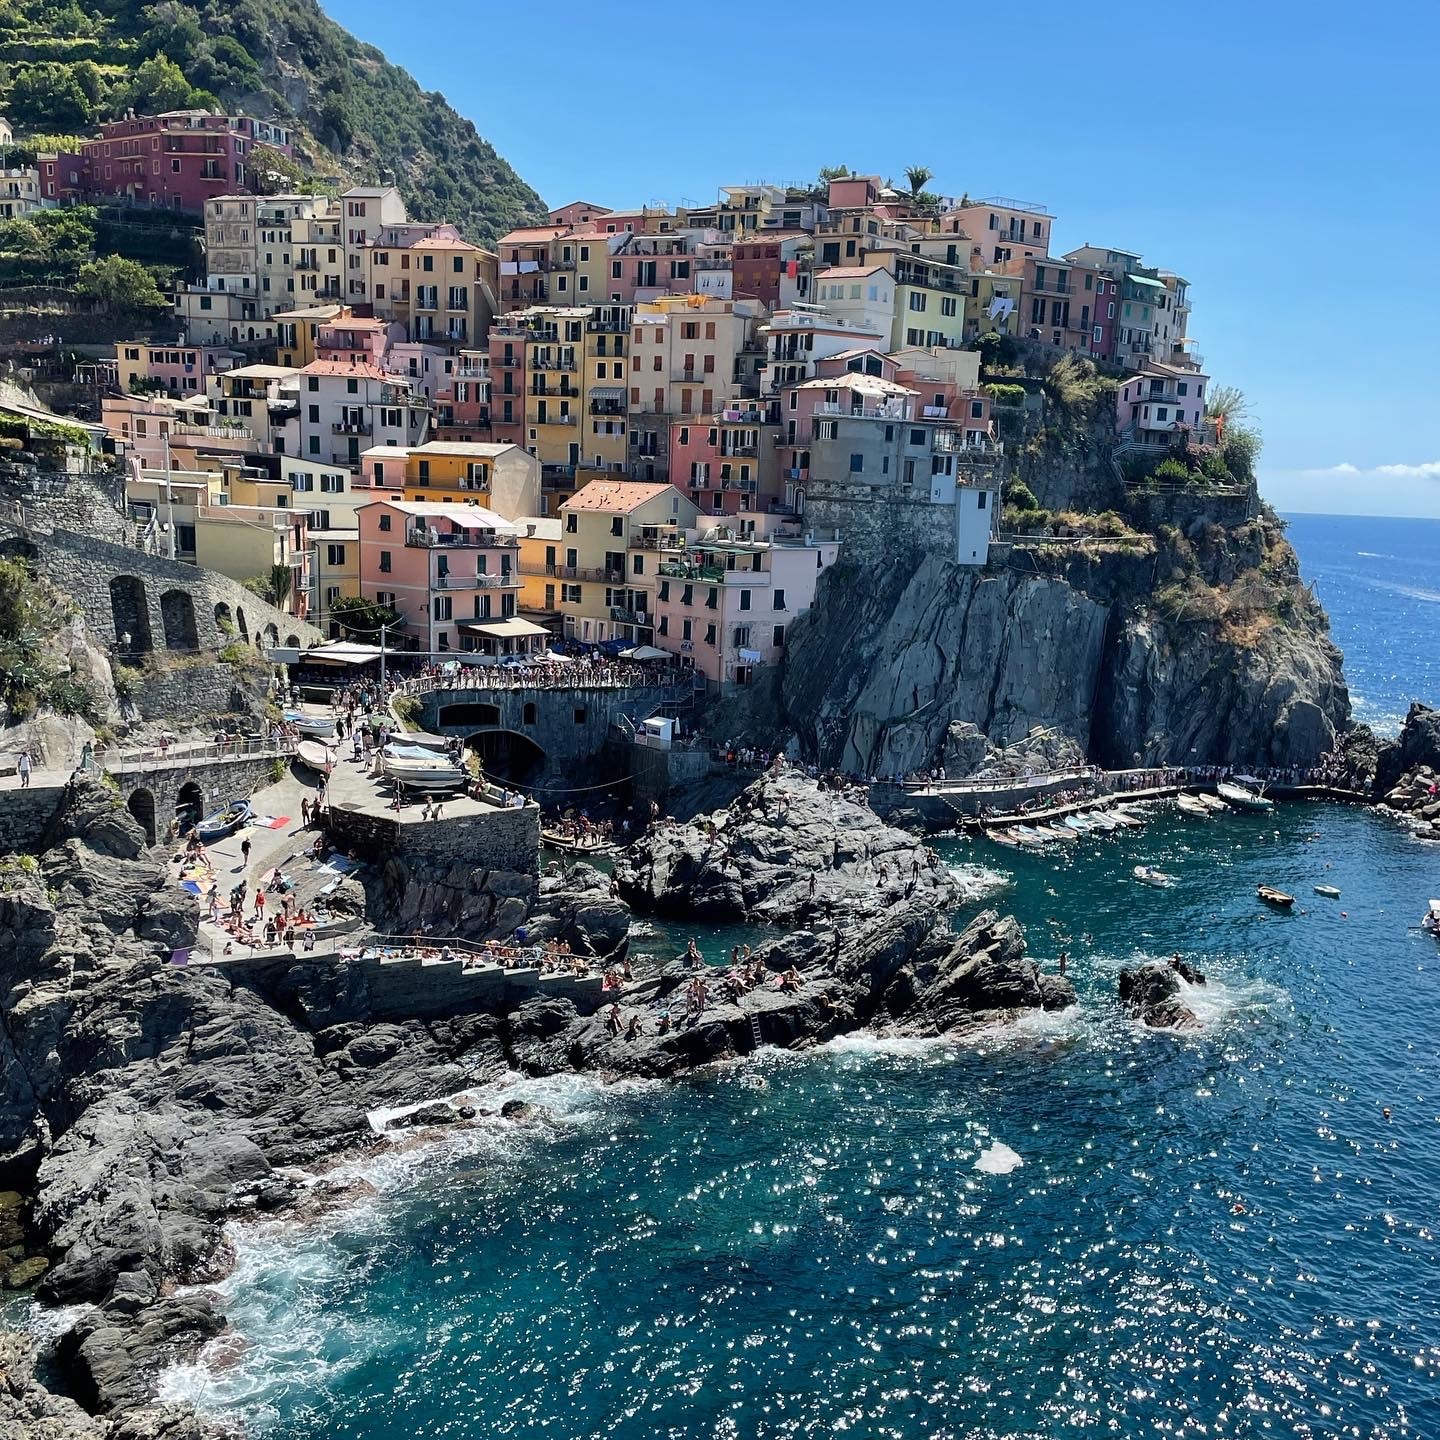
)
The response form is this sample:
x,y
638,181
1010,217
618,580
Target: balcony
x,y
630,617
1054,287
681,570
572,572
657,542
693,377
862,413
508,580
304,264
746,452
607,327
426,539
554,362
351,427
607,407
565,391
550,420
507,362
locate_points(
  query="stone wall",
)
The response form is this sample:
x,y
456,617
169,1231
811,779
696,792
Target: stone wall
x,y
200,691
163,604
218,781
492,840
569,726
24,814
654,773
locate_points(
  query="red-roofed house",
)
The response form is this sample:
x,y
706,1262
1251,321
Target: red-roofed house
x,y
347,407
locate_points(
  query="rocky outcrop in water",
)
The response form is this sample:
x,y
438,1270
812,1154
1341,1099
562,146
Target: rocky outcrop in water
x,y
1202,647
786,851
1151,994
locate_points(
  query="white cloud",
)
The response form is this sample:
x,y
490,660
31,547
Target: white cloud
x,y
1426,470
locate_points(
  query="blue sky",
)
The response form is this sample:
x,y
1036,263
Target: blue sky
x,y
1280,157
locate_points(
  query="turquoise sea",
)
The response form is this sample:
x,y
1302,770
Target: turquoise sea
x,y
1068,1227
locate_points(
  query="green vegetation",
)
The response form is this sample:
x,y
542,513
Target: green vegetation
x,y
407,711
235,654
361,619
29,678
1078,387
123,287
359,116
1006,394
273,588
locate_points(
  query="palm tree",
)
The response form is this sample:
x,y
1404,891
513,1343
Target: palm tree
x,y
919,177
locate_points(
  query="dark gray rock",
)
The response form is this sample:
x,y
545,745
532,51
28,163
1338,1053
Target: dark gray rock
x,y
1150,993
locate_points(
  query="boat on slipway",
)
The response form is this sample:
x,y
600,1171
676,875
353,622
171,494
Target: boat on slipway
x,y
314,755
1238,794
422,769
320,726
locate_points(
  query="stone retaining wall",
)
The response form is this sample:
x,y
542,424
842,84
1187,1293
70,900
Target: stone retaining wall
x,y
494,840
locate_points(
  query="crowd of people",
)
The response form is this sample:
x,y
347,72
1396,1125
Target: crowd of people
x,y
591,671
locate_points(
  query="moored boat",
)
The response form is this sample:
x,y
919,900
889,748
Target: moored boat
x,y
1213,803
1060,832
1271,896
1237,795
1149,875
224,822
322,726
1126,819
1430,923
1190,805
1328,891
313,754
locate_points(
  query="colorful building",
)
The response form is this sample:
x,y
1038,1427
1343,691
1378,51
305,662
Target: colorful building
x,y
176,367
725,600
610,534
1000,230
345,408
1161,403
178,159
451,572
502,477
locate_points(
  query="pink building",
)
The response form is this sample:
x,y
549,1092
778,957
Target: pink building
x,y
727,600
180,368
1160,404
462,397
854,192
452,572
179,159
578,212
761,264
726,462
646,266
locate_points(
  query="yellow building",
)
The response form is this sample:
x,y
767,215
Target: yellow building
x,y
429,279
609,554
334,573
296,332
502,478
603,380
930,294
540,537
993,303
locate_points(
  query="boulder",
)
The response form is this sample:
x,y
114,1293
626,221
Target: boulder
x,y
1151,993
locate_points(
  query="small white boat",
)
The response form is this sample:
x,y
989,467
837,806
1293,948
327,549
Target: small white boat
x,y
1149,875
1272,895
1430,923
1212,803
1125,819
1241,798
313,754
1030,832
1003,837
1060,832
1190,805
1328,891
322,726
421,768
1103,820
1078,823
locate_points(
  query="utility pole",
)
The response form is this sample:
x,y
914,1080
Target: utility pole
x,y
169,497
382,659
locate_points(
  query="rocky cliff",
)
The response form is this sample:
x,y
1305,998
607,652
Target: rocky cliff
x,y
1195,644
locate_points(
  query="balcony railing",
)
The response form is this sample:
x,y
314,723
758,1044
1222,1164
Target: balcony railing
x,y
607,407
863,413
607,327
680,570
459,539
554,362
1054,287
657,542
748,452
350,427
630,617
550,420
509,580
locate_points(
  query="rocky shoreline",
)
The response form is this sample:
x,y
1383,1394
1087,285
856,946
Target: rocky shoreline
x,y
146,1104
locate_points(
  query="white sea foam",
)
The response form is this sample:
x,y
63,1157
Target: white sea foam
x,y
997,1159
979,882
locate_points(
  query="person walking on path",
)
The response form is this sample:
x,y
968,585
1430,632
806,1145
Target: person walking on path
x,y
24,769
245,853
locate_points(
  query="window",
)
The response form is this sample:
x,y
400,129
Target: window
x,y
637,565
569,594
1183,388
312,384
744,599
779,601
617,524
334,554
777,637
980,498
442,607
580,713
917,300
384,562
385,522
857,464
572,524
709,634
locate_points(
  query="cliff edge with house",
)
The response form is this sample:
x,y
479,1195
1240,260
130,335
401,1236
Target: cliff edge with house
x,y
1141,606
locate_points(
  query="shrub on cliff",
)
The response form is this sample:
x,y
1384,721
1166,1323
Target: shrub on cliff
x,y
1006,394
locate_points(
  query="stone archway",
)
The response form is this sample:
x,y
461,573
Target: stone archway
x,y
130,610
240,621
507,755
268,638
141,806
189,805
224,621
177,613
468,712
292,642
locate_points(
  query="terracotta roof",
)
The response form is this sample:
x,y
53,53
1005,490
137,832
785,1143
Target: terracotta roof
x,y
615,496
850,271
362,371
438,242
533,234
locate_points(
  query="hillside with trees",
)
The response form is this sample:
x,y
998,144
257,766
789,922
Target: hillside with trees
x,y
65,67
